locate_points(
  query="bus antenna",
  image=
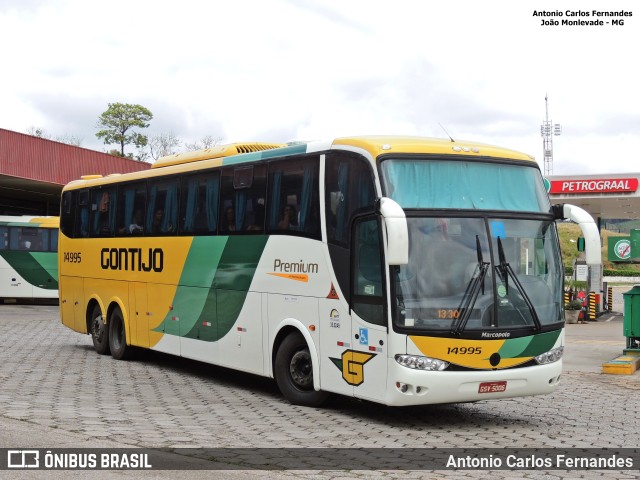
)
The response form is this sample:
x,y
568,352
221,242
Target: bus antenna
x,y
445,131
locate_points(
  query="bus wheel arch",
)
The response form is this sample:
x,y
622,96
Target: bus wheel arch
x,y
97,328
118,334
295,368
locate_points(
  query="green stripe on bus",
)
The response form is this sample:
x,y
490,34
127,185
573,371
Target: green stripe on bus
x,y
529,346
40,269
214,286
541,343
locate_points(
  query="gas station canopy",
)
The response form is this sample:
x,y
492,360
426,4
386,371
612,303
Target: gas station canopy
x,y
608,196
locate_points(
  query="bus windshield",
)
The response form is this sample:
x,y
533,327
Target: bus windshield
x,y
478,273
461,184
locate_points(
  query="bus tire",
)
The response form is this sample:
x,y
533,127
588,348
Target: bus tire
x,y
118,337
293,371
99,332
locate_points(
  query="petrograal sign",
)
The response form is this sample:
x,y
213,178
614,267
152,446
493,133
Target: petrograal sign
x,y
603,185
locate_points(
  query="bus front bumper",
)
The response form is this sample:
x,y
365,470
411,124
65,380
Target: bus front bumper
x,y
417,387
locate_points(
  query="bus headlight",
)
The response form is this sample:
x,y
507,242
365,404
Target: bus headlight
x,y
418,362
550,356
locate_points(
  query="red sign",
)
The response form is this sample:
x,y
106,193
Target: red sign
x,y
603,185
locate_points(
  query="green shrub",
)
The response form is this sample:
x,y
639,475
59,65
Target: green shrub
x,y
573,305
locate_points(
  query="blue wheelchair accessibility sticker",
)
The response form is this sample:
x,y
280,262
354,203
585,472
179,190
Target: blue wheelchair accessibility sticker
x,y
364,336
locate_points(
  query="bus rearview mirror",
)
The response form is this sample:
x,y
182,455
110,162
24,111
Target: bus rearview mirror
x,y
395,223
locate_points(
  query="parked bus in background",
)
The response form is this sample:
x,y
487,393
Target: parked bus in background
x,y
28,258
399,270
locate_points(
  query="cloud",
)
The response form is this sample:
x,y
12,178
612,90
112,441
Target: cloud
x,y
287,69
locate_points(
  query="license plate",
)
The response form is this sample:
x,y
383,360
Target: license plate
x,y
492,387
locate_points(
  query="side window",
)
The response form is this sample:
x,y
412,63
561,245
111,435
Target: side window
x,y
349,187
368,286
103,212
26,239
242,204
131,209
293,197
66,213
15,238
39,239
4,238
53,240
199,203
162,211
82,221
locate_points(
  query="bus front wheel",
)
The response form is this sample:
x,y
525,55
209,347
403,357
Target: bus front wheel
x,y
117,336
294,372
99,332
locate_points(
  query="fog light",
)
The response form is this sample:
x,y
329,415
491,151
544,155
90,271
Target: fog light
x,y
403,387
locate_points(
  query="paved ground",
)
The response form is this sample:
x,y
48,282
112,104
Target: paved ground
x,y
56,392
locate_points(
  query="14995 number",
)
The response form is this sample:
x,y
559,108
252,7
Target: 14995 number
x,y
72,257
464,350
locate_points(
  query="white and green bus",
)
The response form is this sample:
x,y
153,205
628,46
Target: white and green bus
x,y
28,258
399,270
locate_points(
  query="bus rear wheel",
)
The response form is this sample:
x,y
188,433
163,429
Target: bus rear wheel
x,y
99,332
117,336
294,372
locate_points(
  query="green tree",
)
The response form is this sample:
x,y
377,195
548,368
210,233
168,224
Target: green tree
x,y
118,122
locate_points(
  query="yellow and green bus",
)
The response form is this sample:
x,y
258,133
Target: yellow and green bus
x,y
28,258
399,270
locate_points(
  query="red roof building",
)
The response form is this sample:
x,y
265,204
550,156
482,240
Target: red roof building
x,y
33,171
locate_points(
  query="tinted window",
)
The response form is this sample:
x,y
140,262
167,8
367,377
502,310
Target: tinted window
x,y
242,205
293,197
349,187
66,213
199,203
103,212
131,209
162,214
368,286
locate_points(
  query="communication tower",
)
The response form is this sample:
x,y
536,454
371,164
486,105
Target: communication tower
x,y
547,131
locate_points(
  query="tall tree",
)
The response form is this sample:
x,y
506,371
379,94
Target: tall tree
x,y
163,145
118,122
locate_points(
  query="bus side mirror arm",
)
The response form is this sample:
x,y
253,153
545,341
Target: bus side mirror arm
x,y
395,223
589,229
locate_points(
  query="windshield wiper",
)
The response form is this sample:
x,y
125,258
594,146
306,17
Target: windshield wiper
x,y
505,271
471,293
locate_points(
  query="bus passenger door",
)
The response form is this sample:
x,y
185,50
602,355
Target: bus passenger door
x,y
368,313
335,343
353,331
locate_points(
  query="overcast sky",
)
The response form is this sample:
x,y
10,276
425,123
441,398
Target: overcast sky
x,y
279,70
